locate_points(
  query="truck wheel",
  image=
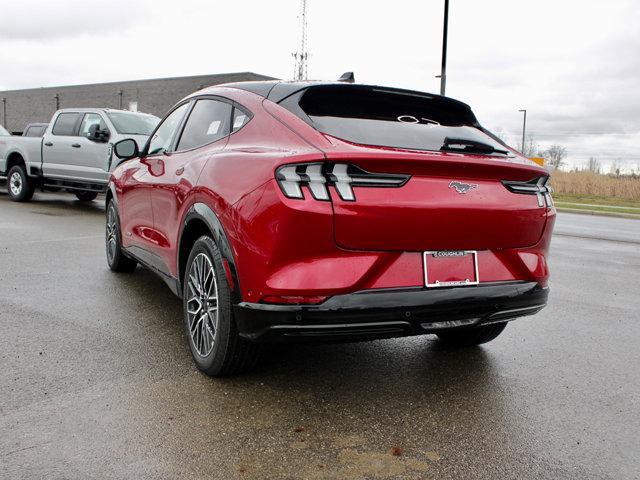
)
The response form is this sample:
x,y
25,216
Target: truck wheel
x,y
210,328
19,185
116,258
85,196
470,336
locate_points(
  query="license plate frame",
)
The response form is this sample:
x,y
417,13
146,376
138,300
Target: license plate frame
x,y
435,283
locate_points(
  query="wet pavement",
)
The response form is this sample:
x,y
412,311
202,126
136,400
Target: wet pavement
x,y
96,380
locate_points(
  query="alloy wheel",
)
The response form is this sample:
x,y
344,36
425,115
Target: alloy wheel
x,y
15,183
202,304
112,239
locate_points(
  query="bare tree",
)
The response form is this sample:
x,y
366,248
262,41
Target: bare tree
x,y
500,133
615,167
593,165
555,156
531,148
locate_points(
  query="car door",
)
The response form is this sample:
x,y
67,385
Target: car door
x,y
138,181
175,173
93,153
59,146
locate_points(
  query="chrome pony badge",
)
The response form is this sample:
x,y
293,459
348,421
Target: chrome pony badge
x,y
462,187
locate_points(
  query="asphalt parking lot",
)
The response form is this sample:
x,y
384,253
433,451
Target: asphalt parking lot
x,y
96,380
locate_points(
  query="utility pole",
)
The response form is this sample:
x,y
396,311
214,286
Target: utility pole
x,y
445,29
120,92
300,69
524,127
4,112
57,97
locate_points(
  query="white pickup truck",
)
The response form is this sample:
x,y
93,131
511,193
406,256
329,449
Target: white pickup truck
x,y
75,152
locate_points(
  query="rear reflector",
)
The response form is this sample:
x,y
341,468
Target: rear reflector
x,y
342,176
293,300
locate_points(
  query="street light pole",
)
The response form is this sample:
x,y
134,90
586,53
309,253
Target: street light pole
x,y
443,70
524,127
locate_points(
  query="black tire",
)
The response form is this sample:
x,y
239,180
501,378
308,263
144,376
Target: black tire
x,y
226,353
471,336
19,185
85,196
116,259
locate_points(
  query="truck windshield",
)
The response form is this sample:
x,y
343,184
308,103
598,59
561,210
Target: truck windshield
x,y
3,132
130,123
395,118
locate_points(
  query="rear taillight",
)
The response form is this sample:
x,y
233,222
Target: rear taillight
x,y
318,177
537,186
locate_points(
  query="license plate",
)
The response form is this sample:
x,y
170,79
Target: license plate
x,y
451,268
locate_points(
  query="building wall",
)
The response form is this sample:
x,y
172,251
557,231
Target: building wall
x,y
155,96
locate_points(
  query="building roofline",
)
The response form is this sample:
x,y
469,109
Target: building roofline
x,y
143,80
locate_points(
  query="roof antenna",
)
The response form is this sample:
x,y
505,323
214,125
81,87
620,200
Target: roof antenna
x,y
347,77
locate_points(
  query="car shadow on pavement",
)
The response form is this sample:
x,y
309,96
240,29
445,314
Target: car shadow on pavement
x,y
42,201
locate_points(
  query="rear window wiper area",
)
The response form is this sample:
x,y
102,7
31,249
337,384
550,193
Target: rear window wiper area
x,y
465,145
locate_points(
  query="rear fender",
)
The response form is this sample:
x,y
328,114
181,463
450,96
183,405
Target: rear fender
x,y
200,211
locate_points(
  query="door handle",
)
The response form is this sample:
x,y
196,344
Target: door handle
x,y
48,144
76,145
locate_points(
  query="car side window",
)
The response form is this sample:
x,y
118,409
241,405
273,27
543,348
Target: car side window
x,y
208,122
89,120
66,124
240,118
161,140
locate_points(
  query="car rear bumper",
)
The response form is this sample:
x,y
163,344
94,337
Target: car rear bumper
x,y
390,313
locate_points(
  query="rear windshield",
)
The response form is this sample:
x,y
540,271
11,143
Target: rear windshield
x,y
130,123
391,118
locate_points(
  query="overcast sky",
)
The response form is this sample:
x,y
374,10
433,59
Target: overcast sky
x,y
575,65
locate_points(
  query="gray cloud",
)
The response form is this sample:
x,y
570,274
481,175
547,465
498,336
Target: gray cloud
x,y
32,20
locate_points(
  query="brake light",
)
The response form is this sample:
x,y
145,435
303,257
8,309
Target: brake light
x,y
537,186
317,177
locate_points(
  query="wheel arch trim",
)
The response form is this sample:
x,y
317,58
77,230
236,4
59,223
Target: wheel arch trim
x,y
111,193
202,212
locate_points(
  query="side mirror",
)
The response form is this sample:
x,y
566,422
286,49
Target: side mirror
x,y
126,149
97,135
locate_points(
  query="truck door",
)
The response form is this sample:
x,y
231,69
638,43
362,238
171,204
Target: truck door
x,y
58,146
93,154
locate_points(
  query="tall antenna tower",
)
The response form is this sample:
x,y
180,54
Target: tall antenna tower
x,y
301,56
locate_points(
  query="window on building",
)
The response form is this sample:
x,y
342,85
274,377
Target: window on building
x,y
208,122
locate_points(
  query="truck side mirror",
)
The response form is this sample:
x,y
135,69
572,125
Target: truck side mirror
x,y
126,149
97,135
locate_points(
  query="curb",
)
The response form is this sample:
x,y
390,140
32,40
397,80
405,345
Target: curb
x,y
597,212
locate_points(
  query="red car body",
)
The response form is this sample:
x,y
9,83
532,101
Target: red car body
x,y
303,267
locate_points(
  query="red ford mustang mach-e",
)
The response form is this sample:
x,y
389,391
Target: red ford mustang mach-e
x,y
330,211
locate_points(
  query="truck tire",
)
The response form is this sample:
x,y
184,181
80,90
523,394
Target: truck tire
x,y
19,185
116,259
85,196
470,336
210,328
